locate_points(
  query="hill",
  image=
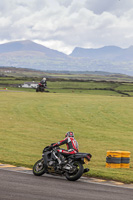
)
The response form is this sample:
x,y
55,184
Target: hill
x,y
29,46
28,54
112,53
108,52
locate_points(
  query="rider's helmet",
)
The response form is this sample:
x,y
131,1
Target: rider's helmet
x,y
44,79
69,134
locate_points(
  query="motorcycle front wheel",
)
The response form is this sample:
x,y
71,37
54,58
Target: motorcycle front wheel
x,y
39,168
77,173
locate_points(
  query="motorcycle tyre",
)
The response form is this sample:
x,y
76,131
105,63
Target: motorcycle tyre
x,y
42,89
40,173
78,174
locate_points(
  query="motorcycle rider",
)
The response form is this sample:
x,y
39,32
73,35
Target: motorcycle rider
x,y
71,143
43,82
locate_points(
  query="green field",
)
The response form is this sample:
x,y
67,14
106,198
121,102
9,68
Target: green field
x,y
30,121
108,88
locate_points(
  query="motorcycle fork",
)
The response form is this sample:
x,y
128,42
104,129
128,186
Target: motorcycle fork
x,y
57,158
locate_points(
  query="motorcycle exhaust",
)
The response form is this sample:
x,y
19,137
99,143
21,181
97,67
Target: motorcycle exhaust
x,y
86,170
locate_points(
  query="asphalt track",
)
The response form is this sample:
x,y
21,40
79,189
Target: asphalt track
x,y
23,185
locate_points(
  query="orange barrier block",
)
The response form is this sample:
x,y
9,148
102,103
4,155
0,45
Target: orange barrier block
x,y
118,159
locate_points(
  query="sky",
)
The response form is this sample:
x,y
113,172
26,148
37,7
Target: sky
x,y
65,24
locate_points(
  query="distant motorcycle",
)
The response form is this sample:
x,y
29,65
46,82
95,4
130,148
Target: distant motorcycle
x,y
40,88
71,166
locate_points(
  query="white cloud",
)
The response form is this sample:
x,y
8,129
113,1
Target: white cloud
x,y
65,24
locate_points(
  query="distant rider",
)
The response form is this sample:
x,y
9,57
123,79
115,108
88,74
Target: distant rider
x,y
43,82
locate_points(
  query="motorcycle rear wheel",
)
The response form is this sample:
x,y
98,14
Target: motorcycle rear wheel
x,y
77,173
39,168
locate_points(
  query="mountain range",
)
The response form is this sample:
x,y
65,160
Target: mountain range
x,y
28,54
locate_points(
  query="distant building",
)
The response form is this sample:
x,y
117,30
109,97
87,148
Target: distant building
x,y
30,85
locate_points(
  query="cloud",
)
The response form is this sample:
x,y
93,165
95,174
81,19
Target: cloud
x,y
65,24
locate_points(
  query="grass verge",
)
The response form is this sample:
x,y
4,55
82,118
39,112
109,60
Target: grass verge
x,y
30,121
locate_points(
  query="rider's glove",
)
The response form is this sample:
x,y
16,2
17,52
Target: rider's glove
x,y
50,147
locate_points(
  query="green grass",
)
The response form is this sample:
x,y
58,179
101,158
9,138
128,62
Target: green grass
x,y
130,93
30,121
12,80
125,87
85,91
82,85
62,86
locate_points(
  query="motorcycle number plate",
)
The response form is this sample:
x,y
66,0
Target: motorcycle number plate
x,y
86,161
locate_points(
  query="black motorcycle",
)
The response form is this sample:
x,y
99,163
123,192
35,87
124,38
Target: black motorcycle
x,y
40,87
71,165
